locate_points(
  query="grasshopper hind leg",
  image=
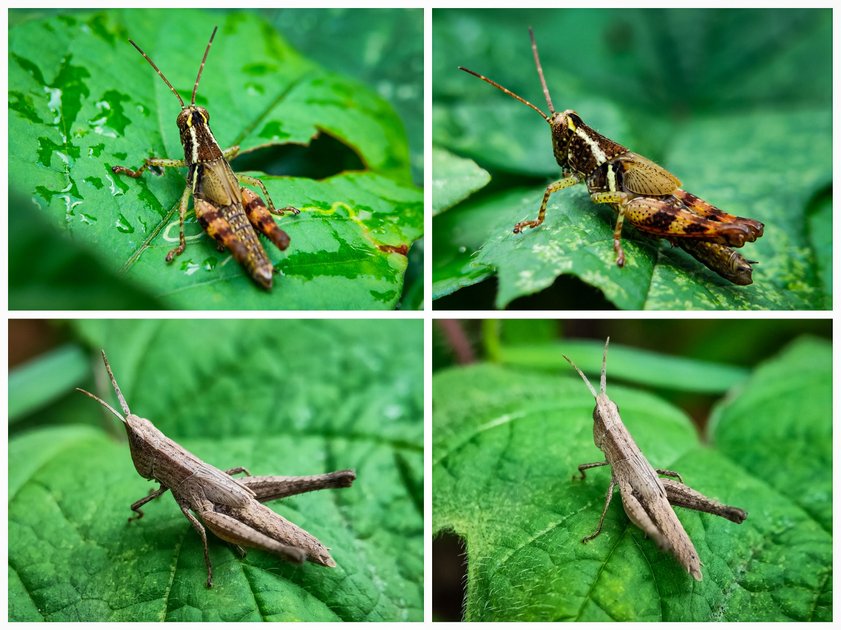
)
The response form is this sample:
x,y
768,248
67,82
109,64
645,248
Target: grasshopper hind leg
x,y
254,181
220,229
260,217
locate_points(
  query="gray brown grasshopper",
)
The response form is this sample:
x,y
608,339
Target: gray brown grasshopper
x,y
647,498
642,192
230,508
228,212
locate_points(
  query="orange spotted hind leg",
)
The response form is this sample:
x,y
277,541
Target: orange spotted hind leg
x,y
260,217
219,228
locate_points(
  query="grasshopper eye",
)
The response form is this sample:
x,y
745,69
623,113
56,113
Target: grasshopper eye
x,y
204,114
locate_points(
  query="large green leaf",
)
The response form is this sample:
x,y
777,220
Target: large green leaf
x,y
507,443
279,397
763,152
82,100
455,179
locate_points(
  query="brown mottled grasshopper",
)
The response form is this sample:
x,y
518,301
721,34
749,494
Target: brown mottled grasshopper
x,y
228,212
641,191
647,498
230,508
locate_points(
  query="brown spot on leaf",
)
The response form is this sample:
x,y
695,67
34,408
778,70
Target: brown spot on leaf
x,y
394,249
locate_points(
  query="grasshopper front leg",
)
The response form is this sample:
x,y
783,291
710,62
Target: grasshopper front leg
x,y
154,494
607,500
554,187
152,162
584,467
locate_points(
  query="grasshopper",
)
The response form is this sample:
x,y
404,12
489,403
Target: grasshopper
x,y
228,212
230,508
647,498
641,191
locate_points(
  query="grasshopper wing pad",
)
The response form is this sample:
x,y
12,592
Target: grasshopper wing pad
x,y
216,487
644,177
659,522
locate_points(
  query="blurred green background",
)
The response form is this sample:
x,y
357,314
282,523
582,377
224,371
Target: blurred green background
x,y
381,48
692,364
658,82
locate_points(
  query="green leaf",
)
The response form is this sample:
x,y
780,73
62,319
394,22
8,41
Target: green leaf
x,y
279,397
39,382
456,235
87,101
677,105
505,446
454,179
380,47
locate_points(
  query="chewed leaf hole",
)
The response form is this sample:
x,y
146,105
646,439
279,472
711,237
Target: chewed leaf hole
x,y
323,157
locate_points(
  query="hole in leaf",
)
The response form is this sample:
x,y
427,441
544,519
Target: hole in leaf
x,y
323,157
449,576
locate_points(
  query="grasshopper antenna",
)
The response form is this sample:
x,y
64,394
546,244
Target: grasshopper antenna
x,y
201,67
122,400
581,374
161,74
507,91
103,403
604,367
540,72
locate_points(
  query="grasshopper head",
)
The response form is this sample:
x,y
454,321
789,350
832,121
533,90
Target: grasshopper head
x,y
605,410
192,115
563,126
144,440
142,434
